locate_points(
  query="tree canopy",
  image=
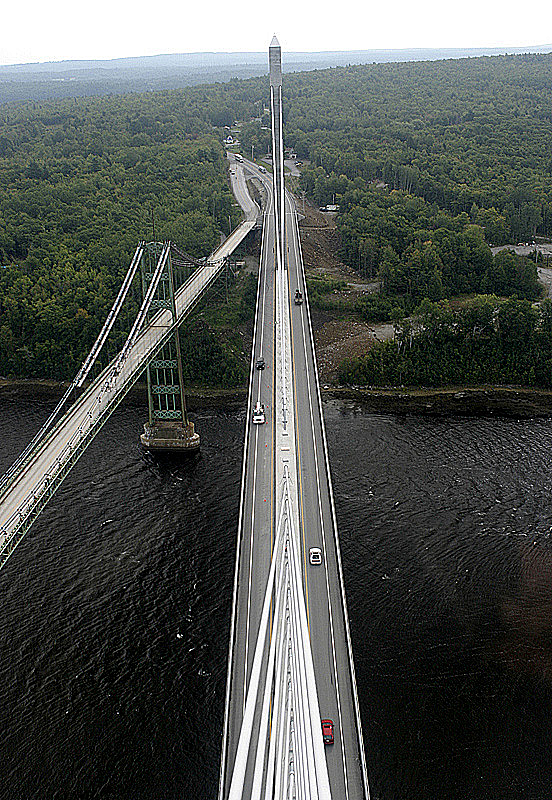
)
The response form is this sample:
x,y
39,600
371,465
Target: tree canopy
x,y
430,163
79,181
489,341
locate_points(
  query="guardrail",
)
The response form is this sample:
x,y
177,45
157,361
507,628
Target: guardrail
x,y
80,377
142,343
362,754
280,753
222,771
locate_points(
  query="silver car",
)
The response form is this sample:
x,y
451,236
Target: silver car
x,y
315,555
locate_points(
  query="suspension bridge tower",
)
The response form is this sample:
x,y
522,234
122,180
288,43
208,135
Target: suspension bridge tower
x,y
168,427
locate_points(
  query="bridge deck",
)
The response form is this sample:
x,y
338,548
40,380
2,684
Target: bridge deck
x,y
87,414
322,584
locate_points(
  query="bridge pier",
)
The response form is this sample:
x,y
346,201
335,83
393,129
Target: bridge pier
x,y
168,428
170,436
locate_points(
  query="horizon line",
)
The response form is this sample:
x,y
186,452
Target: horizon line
x,y
288,52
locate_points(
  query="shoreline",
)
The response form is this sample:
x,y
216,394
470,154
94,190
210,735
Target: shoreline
x,y
513,401
196,398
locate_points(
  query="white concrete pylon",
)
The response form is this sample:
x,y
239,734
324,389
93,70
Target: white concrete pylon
x,y
283,751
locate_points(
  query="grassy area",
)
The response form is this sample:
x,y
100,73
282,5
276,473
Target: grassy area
x,y
334,296
327,294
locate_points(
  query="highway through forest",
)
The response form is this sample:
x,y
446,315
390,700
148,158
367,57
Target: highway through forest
x,y
323,584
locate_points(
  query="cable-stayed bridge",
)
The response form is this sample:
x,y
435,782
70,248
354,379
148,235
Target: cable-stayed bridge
x,y
290,660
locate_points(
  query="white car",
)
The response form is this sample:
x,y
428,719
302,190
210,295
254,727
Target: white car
x,y
259,414
315,555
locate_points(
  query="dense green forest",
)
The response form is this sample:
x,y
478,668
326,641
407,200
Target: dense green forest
x,y
488,341
418,155
78,183
430,163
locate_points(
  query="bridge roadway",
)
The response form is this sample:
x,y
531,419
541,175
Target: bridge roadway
x,y
323,584
87,414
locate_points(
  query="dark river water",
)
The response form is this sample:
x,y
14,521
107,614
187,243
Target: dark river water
x,y
115,609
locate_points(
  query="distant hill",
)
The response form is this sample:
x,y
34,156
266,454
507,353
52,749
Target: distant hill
x,y
20,82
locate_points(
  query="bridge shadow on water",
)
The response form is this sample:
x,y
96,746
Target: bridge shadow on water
x,y
167,465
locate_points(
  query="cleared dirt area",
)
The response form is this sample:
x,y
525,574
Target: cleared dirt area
x,y
545,277
340,335
338,339
321,249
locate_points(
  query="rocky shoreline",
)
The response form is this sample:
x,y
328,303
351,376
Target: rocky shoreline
x,y
513,401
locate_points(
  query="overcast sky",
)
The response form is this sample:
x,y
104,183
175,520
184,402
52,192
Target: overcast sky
x,y
63,29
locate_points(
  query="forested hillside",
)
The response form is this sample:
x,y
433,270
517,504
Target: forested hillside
x,y
78,182
418,154
430,163
488,341
64,79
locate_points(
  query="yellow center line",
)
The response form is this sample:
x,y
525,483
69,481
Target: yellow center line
x,y
272,454
273,426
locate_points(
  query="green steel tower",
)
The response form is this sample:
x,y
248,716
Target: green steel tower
x,y
168,427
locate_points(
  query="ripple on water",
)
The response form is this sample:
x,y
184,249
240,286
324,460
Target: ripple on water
x,y
116,609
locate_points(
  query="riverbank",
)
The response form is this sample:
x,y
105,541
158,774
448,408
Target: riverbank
x,y
514,401
197,397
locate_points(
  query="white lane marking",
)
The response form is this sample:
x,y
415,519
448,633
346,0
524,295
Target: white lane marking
x,y
319,493
247,620
237,567
260,353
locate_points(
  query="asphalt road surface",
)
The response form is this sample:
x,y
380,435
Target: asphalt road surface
x,y
322,584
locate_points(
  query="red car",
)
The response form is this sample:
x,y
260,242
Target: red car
x,y
327,731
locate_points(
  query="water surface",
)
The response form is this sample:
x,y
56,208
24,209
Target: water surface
x,y
116,608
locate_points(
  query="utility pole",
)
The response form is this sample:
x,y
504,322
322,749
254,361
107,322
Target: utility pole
x,y
252,151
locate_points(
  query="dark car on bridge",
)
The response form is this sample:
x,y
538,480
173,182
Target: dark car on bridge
x,y
260,363
327,731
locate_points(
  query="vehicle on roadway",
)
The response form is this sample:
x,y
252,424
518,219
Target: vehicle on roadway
x,y
259,414
298,299
238,157
260,363
315,555
262,169
327,731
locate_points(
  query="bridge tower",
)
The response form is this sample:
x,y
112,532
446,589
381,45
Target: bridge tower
x,y
168,428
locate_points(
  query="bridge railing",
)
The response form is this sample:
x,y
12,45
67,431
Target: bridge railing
x,y
101,398
80,377
280,752
362,755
